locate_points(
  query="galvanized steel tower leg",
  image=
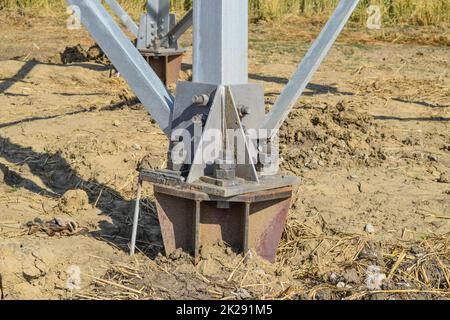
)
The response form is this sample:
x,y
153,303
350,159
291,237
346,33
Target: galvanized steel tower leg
x,y
159,10
220,44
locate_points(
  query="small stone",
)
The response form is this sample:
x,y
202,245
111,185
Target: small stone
x,y
433,158
369,253
369,228
334,278
242,293
137,146
444,177
341,285
116,123
176,254
374,278
313,164
363,187
408,141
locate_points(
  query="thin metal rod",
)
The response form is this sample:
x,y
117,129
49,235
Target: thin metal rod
x,y
246,227
308,67
197,229
124,17
128,61
136,218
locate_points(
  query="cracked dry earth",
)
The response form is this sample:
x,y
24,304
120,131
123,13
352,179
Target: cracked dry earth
x,y
370,140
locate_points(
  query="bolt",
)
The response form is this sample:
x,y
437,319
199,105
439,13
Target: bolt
x,y
197,119
243,111
224,166
176,139
201,100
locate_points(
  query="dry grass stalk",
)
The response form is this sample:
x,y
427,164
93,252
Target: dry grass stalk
x,y
398,12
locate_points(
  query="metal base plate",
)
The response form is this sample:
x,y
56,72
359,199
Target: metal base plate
x,y
239,187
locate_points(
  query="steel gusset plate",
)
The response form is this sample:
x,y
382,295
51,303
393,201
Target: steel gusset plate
x,y
191,219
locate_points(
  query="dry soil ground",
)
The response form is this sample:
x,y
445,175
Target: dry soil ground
x,y
370,140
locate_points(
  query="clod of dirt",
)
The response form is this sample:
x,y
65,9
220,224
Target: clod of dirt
x,y
30,270
444,177
73,54
329,135
74,201
149,162
177,254
79,54
351,276
94,53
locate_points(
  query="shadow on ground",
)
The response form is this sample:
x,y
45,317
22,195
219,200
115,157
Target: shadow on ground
x,y
28,66
58,177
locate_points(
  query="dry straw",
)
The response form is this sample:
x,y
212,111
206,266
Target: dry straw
x,y
312,264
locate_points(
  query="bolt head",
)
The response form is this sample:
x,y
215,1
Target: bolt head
x,y
224,174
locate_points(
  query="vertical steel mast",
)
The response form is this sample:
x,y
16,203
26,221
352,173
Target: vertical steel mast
x,y
220,44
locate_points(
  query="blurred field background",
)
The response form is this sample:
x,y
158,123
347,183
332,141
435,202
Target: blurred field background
x,y
394,12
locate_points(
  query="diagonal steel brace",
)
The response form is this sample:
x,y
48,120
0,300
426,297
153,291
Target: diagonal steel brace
x,y
127,60
308,67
